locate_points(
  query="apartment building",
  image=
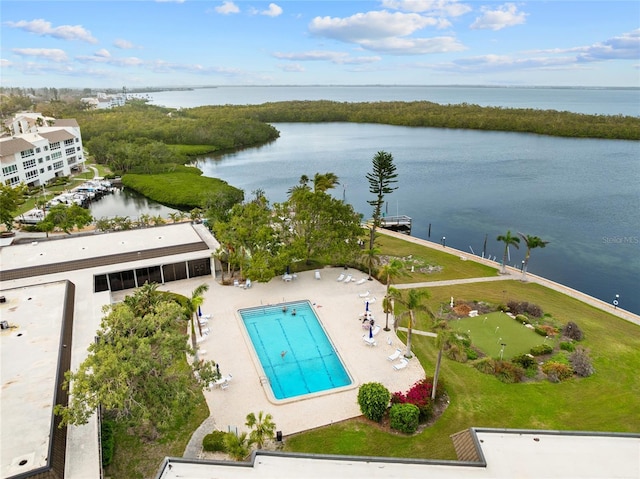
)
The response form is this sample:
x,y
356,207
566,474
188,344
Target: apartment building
x,y
35,149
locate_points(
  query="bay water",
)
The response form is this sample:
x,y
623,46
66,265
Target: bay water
x,y
581,195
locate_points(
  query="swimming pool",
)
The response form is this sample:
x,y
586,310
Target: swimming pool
x,y
296,355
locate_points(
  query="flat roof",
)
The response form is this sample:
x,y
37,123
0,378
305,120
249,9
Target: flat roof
x,y
508,454
84,247
29,352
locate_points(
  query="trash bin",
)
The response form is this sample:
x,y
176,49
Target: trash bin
x,y
279,436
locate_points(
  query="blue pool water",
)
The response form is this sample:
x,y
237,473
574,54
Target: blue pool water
x,y
296,355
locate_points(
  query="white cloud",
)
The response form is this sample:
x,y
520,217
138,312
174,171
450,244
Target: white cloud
x,y
371,25
445,8
4,63
414,46
227,8
340,58
505,16
104,53
291,68
103,56
64,32
50,54
273,10
123,44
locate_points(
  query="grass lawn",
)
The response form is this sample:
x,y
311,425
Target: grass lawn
x,y
607,401
489,331
446,266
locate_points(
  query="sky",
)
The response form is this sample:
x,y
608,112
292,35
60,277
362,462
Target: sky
x,y
187,43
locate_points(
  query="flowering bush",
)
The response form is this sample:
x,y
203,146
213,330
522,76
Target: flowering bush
x,y
419,395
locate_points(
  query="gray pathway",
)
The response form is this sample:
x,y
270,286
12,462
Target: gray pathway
x,y
194,448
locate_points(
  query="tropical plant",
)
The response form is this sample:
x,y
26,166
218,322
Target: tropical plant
x,y
508,240
404,417
531,242
324,182
237,446
66,218
373,399
262,427
413,302
10,201
381,179
388,272
191,305
371,258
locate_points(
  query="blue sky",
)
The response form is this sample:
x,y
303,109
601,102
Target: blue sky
x,y
97,44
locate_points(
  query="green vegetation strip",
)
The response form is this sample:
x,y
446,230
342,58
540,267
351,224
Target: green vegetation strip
x,y
607,401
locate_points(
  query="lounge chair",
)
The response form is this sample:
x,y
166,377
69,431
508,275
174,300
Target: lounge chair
x,y
247,284
236,282
203,321
369,341
317,274
361,281
371,300
376,330
341,277
396,354
364,295
401,365
348,278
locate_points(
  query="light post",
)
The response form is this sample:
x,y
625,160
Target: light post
x,y
522,266
444,243
615,302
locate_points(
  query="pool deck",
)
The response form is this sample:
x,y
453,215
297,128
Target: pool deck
x,y
338,306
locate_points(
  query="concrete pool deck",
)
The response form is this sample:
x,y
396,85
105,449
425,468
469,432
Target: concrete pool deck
x,y
338,306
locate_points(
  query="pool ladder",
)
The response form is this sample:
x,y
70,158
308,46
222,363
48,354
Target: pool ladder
x,y
264,380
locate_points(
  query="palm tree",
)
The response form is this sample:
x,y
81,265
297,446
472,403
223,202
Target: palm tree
x,y
325,182
371,258
237,446
389,271
531,242
413,303
444,339
508,239
192,305
262,427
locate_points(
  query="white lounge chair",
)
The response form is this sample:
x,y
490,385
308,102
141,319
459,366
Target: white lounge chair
x,y
341,277
317,274
236,282
348,278
401,365
247,284
364,295
376,330
203,321
361,281
396,354
369,341
371,300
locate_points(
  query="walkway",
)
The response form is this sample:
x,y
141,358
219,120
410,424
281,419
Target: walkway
x,y
511,274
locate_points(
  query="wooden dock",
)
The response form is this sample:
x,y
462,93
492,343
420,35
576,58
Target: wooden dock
x,y
400,223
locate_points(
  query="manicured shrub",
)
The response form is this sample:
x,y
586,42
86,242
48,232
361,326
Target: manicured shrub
x,y
404,417
567,346
525,361
521,318
108,441
485,365
573,331
373,399
557,372
471,354
581,362
508,372
420,396
214,442
541,349
545,330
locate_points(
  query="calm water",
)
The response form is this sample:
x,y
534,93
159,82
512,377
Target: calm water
x,y
581,195
125,203
295,353
597,101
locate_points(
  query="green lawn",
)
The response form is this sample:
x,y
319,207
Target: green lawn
x,y
489,331
607,401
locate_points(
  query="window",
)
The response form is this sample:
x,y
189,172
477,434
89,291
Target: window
x,y
77,140
58,165
49,168
38,150
29,164
41,170
27,153
71,161
55,146
46,148
31,174
68,142
48,157
56,154
7,170
69,151
78,149
13,181
40,160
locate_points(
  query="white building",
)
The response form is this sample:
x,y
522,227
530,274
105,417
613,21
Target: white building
x,y
35,149
104,101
